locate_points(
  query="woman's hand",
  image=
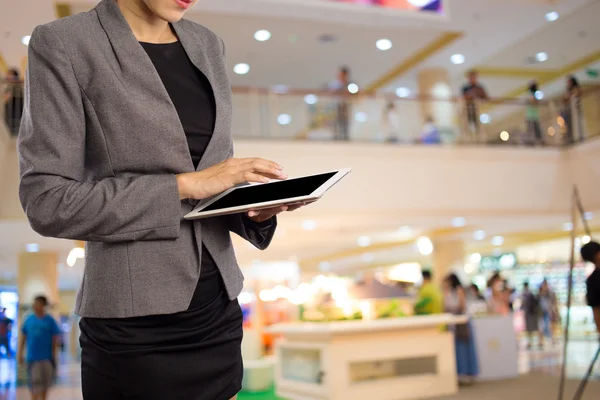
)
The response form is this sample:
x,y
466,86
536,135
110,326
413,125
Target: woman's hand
x,y
268,213
218,178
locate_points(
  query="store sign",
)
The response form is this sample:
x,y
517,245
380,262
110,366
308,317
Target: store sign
x,y
499,263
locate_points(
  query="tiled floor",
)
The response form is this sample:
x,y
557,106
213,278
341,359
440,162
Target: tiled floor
x,y
546,362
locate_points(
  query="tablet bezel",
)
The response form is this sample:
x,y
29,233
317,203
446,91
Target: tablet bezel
x,y
197,212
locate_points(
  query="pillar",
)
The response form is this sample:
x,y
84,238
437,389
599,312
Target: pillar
x,y
434,83
37,274
448,257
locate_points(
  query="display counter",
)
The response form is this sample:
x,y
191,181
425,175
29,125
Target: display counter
x,y
388,359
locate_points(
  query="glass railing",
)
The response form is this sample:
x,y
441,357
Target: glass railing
x,y
321,115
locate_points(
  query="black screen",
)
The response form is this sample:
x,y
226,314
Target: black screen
x,y
296,187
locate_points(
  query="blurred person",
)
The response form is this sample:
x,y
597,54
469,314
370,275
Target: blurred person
x,y
532,115
430,133
5,328
590,252
572,110
549,307
473,93
499,299
455,302
40,336
13,100
127,125
430,298
340,86
474,293
532,313
391,123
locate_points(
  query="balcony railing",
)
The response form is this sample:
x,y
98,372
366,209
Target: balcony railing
x,y
322,115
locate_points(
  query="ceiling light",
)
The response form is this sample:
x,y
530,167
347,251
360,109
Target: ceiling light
x,y
241,69
384,44
360,116
539,95
497,241
280,89
402,92
586,239
457,59
309,225
311,99
485,118
325,266
567,226
367,257
475,258
364,241
588,215
459,222
25,40
479,235
32,247
284,119
262,36
424,245
541,56
552,16
504,136
353,88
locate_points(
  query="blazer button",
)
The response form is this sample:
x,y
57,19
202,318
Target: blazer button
x,y
193,202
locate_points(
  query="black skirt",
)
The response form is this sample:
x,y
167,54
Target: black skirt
x,y
192,355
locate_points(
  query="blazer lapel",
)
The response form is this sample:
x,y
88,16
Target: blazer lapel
x,y
206,56
139,74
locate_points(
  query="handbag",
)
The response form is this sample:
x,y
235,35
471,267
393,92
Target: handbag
x,y
462,332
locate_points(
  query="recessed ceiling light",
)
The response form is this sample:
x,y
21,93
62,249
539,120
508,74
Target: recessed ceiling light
x,y
241,68
25,40
586,239
284,119
424,245
459,222
539,94
360,116
457,59
567,226
353,88
405,230
311,99
262,35
588,215
504,136
479,235
367,257
309,225
364,241
383,44
485,118
402,92
497,241
552,16
541,56
32,247
475,258
281,89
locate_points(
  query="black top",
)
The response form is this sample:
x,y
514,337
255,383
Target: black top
x,y
593,289
193,98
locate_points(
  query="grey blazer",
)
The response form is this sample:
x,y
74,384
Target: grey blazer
x,y
99,147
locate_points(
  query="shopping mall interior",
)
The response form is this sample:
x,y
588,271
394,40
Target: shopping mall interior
x,y
471,128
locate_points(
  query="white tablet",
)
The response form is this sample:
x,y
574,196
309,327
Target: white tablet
x,y
257,196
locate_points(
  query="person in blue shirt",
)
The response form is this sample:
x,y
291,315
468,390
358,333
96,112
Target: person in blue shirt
x,y
40,334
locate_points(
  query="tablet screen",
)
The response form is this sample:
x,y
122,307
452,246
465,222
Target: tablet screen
x,y
279,190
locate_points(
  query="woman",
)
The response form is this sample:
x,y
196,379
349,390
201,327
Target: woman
x,y
455,302
549,307
572,110
532,115
127,126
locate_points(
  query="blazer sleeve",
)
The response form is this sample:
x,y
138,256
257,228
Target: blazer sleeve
x,y
259,234
57,198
